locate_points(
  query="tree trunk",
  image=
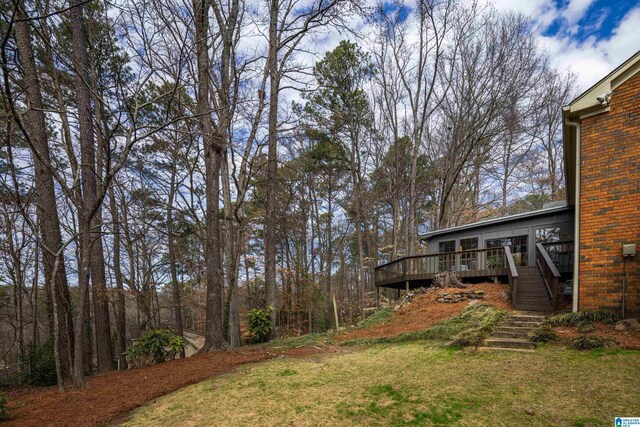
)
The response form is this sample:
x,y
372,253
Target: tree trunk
x,y
88,172
121,327
175,285
214,334
48,219
270,243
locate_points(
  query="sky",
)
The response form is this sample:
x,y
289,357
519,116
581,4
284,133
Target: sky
x,y
589,37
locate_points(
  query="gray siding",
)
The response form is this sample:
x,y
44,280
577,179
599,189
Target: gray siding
x,y
509,228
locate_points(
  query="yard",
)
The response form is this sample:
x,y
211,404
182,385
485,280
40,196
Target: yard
x,y
413,384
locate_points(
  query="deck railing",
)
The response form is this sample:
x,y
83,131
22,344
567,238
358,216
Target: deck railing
x,y
471,263
550,273
512,273
561,253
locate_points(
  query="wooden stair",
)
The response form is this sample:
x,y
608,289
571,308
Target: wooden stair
x,y
531,293
513,333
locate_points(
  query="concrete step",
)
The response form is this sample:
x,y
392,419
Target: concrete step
x,y
524,334
519,350
528,313
527,317
509,343
520,324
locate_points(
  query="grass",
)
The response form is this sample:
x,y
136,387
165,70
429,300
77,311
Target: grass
x,y
468,328
308,340
412,384
576,317
380,316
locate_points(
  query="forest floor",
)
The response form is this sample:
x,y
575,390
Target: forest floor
x,y
111,395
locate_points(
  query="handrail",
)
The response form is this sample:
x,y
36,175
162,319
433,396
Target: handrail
x,y
512,273
561,253
471,263
550,273
434,255
547,260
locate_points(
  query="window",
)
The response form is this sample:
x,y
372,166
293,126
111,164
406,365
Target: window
x,y
517,244
447,246
547,234
447,261
468,260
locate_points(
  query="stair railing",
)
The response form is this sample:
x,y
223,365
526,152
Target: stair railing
x,y
550,273
512,274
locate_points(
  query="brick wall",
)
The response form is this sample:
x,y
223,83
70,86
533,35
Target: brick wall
x,y
610,201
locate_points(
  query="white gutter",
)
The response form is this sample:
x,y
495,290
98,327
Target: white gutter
x,y
576,230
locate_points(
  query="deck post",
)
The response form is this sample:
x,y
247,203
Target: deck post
x,y
406,285
377,296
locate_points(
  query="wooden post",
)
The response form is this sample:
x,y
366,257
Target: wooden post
x,y
335,312
377,296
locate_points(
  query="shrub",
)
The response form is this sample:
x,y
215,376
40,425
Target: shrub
x,y
573,318
469,337
379,316
543,333
155,346
586,342
585,326
39,366
4,415
259,323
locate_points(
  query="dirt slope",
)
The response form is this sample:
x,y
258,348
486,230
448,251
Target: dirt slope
x,y
423,311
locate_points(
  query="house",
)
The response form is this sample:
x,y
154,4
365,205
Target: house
x,y
578,254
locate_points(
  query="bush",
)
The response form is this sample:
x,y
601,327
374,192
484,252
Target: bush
x,y
259,323
469,337
543,333
39,366
587,342
379,316
585,326
573,318
4,415
155,346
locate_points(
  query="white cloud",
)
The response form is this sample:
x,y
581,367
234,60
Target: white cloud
x,y
590,59
594,58
576,10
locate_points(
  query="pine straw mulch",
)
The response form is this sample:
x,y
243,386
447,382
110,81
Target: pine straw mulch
x,y
110,396
423,311
627,339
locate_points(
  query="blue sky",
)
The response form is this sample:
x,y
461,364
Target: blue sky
x,y
589,37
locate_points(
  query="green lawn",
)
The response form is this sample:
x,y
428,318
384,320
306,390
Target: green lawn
x,y
412,384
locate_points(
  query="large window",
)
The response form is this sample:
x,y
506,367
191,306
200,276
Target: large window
x,y
447,261
517,244
547,234
469,260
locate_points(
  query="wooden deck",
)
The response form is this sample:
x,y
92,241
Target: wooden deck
x,y
419,270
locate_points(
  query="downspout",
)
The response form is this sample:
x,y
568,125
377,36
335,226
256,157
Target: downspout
x,y
576,230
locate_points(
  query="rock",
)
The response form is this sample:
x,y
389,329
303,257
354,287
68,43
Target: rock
x,y
478,292
473,302
628,324
529,412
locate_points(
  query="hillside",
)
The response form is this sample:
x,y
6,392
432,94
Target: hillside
x,y
422,321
